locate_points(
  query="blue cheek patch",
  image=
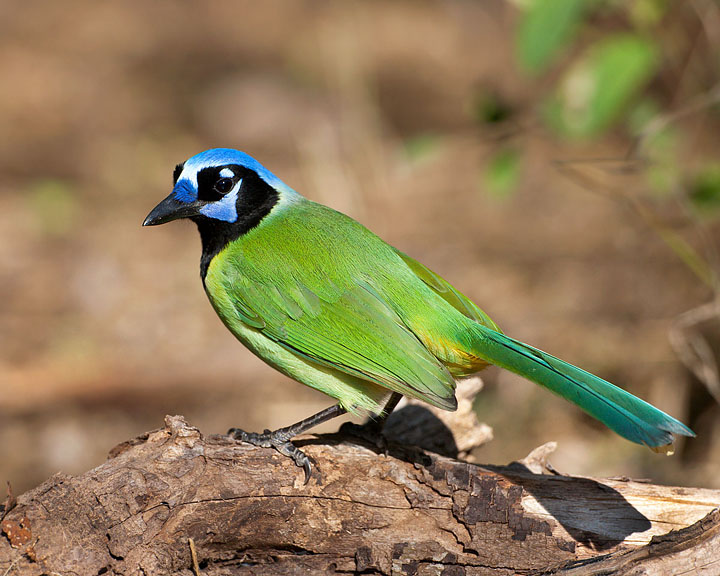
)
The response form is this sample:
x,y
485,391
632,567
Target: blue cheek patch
x,y
185,191
225,209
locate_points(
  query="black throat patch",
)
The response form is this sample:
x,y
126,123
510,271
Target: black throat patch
x,y
256,199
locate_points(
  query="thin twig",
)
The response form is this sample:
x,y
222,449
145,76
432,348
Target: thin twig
x,y
672,239
14,562
698,104
193,555
693,347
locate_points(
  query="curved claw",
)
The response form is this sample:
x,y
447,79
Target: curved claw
x,y
308,471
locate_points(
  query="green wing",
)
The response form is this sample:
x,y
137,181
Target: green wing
x,y
449,293
350,329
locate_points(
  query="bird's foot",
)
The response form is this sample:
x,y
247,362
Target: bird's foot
x,y
371,432
280,440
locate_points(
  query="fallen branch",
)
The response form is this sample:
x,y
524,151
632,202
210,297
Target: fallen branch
x,y
245,510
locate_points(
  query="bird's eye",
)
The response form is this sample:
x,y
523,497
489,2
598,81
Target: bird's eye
x,y
224,185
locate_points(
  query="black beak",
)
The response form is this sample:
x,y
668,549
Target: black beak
x,y
170,209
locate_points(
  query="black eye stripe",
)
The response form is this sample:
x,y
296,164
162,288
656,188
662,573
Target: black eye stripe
x,y
209,178
206,184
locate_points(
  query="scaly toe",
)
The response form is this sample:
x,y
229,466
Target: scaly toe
x,y
278,440
237,434
264,440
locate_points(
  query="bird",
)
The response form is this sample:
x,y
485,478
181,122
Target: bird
x,y
323,300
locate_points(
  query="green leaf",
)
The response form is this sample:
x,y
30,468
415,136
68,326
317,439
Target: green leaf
x,y
545,28
600,86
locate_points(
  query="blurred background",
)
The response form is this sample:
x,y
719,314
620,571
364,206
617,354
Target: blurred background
x,y
556,160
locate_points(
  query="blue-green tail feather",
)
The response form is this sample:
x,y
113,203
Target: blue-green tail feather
x,y
619,410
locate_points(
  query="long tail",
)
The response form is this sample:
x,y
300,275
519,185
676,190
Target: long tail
x,y
619,410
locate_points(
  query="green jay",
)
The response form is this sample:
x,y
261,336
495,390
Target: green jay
x,y
320,298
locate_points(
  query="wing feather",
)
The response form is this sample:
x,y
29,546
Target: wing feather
x,y
355,332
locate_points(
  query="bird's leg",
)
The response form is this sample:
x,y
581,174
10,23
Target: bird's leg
x,y
280,438
372,430
395,397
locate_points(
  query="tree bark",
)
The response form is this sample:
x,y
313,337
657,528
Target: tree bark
x,y
244,510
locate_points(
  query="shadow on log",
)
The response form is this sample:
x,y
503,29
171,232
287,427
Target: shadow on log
x,y
246,511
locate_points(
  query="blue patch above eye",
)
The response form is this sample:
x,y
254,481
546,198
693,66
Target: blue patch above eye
x,y
185,191
224,209
223,156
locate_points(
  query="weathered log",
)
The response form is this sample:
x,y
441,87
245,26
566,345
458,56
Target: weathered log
x,y
245,510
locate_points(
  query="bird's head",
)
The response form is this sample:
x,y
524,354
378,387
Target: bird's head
x,y
220,187
226,193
